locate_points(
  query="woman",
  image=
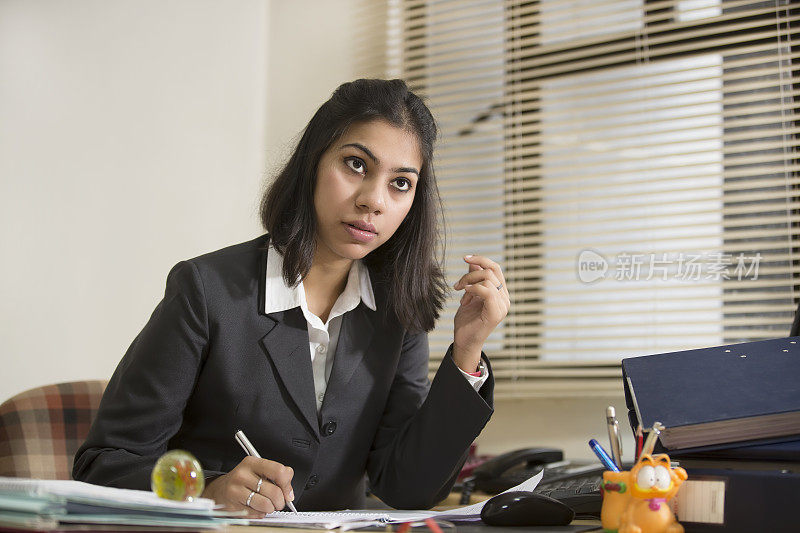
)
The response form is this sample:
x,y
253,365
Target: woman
x,y
312,338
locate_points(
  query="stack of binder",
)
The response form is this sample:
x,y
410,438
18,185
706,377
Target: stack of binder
x,y
48,505
732,417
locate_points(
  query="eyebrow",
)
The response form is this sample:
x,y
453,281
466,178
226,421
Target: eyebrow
x,y
375,160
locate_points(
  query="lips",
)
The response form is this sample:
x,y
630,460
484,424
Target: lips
x,y
362,225
360,231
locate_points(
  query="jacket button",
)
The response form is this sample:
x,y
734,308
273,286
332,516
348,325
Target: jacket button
x,y
313,480
329,428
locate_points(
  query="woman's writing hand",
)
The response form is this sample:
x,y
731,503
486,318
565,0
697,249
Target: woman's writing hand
x,y
233,489
484,304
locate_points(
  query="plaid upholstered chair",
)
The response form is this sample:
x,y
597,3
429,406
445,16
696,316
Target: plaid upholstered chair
x,y
42,428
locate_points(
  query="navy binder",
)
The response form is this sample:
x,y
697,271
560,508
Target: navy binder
x,y
753,501
780,449
720,395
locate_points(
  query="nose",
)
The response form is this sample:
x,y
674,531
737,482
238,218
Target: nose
x,y
370,196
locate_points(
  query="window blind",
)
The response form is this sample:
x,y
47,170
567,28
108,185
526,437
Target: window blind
x,y
632,164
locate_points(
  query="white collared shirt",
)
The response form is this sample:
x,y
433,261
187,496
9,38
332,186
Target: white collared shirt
x,y
323,337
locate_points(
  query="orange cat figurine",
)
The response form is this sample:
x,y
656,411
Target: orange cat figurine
x,y
651,483
616,496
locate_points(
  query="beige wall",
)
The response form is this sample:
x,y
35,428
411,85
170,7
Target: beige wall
x,y
135,134
567,424
312,44
132,136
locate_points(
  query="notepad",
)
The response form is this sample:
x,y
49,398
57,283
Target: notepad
x,y
351,519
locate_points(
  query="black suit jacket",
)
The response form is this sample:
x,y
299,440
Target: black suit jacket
x,y
210,362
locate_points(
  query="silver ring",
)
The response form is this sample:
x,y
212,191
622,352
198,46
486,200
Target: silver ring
x,y
258,487
250,498
500,287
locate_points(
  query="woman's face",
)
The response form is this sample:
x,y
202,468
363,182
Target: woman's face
x,y
366,182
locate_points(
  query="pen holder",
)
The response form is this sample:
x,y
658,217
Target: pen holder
x,y
635,501
616,495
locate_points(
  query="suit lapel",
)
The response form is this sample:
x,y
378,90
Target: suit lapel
x,y
355,337
286,344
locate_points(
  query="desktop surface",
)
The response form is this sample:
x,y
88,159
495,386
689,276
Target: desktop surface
x,y
477,527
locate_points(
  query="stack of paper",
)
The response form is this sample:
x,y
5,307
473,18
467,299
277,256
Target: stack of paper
x,y
41,505
33,504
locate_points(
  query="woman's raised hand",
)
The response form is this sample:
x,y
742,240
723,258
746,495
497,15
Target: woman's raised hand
x,y
259,486
484,304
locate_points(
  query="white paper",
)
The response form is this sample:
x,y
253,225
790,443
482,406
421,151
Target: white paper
x,y
349,519
474,510
318,519
112,497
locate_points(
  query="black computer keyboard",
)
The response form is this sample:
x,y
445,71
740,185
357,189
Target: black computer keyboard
x,y
578,487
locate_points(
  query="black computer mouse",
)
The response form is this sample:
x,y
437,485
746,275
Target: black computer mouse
x,y
519,508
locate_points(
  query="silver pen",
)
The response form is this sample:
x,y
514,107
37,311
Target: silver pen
x,y
613,435
650,443
249,449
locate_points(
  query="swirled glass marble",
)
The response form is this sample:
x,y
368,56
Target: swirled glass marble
x,y
177,475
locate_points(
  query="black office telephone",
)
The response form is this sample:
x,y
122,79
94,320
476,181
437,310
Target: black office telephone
x,y
509,469
575,484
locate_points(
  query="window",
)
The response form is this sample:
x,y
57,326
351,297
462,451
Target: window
x,y
632,164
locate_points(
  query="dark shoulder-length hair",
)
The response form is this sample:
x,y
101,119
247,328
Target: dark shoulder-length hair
x,y
408,264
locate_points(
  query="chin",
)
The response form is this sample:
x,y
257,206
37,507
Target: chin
x,y
354,251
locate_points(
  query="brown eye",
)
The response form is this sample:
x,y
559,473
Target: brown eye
x,y
355,164
401,184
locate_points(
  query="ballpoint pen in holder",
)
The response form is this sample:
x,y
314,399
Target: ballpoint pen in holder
x,y
601,454
614,440
652,435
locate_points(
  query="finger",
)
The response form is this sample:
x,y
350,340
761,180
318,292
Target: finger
x,y
256,513
496,302
252,513
269,499
496,293
466,298
277,474
476,277
486,264
255,502
501,290
236,493
239,500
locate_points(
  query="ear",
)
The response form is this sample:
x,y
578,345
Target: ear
x,y
646,459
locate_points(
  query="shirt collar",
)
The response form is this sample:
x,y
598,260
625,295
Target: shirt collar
x,y
281,297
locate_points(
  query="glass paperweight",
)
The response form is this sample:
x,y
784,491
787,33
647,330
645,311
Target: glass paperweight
x,y
177,475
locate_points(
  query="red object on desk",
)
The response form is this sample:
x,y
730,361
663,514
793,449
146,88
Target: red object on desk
x,y
639,442
473,461
432,525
